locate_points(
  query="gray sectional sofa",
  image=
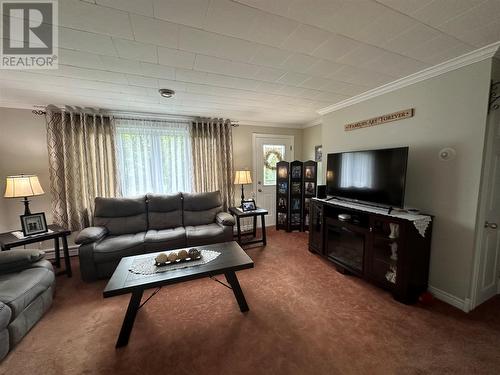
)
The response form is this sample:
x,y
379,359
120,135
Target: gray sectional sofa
x,y
132,226
27,284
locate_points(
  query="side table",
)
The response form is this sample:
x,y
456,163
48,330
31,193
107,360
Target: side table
x,y
238,214
8,241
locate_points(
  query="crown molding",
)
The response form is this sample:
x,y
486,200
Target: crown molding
x,y
469,58
315,122
269,124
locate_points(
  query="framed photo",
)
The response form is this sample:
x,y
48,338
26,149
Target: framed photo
x,y
295,204
310,188
282,172
318,153
295,219
296,188
296,171
309,173
281,218
282,187
248,205
34,224
282,203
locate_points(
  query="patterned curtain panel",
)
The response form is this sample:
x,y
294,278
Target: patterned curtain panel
x,y
82,162
212,148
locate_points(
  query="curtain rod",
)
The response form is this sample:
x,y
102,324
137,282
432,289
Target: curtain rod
x,y
126,115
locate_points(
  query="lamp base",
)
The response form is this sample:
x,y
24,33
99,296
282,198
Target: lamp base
x,y
26,206
242,196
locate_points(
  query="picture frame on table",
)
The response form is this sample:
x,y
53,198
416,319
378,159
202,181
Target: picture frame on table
x,y
34,224
248,205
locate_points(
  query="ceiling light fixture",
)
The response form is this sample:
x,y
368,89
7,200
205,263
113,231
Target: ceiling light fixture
x,y
166,93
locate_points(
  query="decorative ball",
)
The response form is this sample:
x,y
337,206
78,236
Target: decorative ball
x,y
194,253
183,254
161,258
172,256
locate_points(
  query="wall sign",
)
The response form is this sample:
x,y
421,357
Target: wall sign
x,y
400,115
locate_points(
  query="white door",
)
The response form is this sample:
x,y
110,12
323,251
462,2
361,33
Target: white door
x,y
268,150
487,281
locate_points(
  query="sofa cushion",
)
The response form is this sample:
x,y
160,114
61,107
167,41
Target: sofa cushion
x,y
201,208
165,239
164,211
204,234
18,290
116,247
121,215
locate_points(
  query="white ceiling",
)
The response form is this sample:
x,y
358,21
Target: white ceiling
x,y
272,61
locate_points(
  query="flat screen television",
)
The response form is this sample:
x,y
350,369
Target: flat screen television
x,y
374,176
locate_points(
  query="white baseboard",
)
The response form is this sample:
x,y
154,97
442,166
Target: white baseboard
x,y
462,304
50,253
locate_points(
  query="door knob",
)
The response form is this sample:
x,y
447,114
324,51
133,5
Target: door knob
x,y
259,190
490,225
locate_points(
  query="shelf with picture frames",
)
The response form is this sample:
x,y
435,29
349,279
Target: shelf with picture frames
x,y
296,184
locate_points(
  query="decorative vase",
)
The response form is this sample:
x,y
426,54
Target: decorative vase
x,y
394,230
394,251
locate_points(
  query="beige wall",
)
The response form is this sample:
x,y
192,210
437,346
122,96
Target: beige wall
x,y
450,112
23,149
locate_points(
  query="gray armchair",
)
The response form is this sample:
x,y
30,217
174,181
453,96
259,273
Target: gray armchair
x,y
151,223
27,283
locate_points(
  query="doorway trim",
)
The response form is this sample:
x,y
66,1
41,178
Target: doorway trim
x,y
291,138
492,121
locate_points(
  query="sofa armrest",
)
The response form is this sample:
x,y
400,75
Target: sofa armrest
x,y
5,316
225,218
90,234
19,259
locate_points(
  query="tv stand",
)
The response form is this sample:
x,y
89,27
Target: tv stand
x,y
389,250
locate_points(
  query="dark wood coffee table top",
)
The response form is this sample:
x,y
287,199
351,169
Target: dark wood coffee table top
x,y
231,259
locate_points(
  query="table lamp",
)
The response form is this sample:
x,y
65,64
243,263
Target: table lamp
x,y
243,178
23,186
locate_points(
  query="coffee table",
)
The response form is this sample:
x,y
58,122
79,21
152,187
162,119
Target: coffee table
x,y
231,259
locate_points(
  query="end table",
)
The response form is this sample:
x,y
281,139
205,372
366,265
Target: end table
x,y
238,214
8,241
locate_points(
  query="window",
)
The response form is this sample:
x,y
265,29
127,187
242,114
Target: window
x,y
272,155
154,156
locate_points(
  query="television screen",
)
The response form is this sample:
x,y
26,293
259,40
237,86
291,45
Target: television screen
x,y
373,176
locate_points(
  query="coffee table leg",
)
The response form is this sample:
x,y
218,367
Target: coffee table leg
x,y
128,321
238,293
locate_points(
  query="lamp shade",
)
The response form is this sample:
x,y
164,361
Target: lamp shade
x,y
242,178
22,186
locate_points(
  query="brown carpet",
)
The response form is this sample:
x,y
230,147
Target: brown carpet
x,y
305,318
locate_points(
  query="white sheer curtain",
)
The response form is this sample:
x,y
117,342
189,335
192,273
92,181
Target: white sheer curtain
x,y
154,156
357,170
